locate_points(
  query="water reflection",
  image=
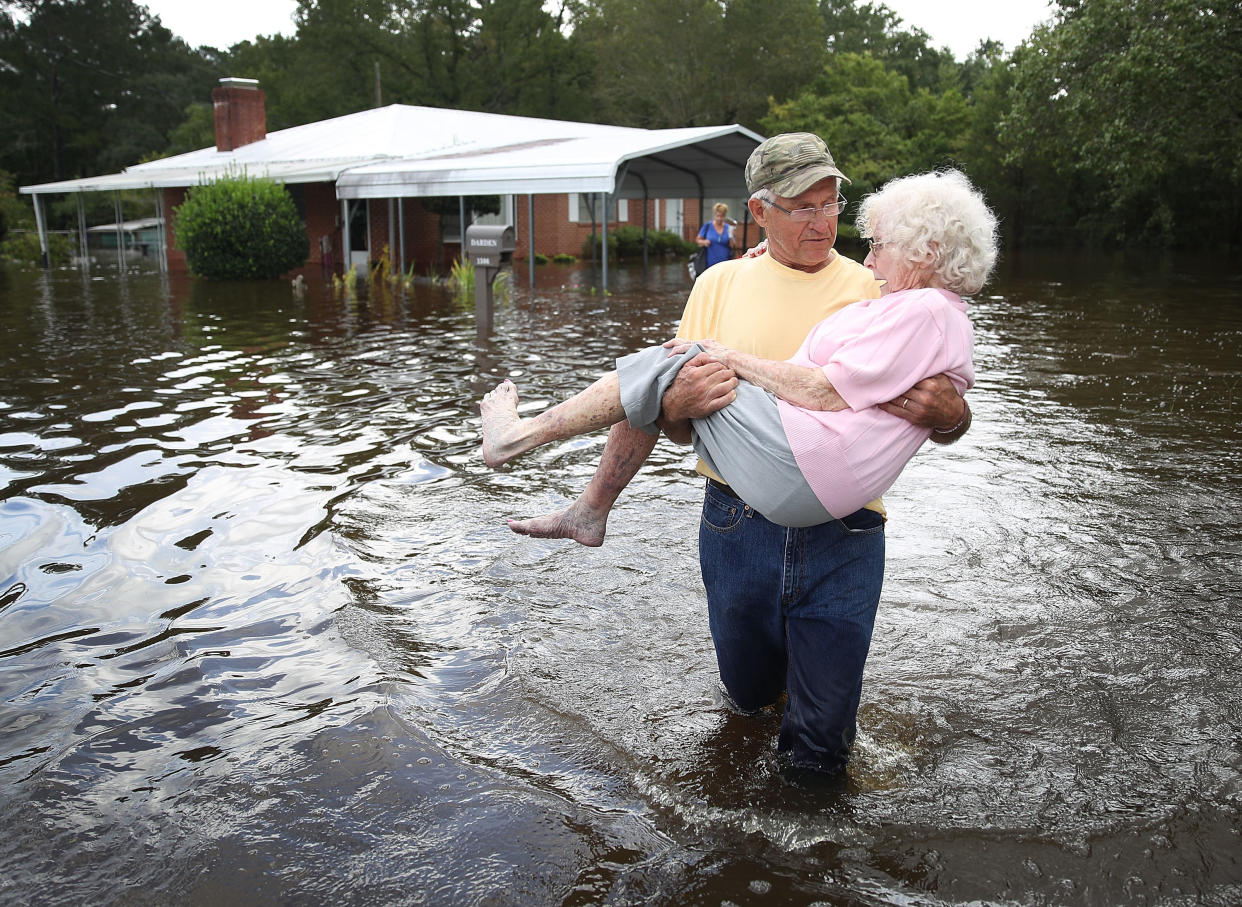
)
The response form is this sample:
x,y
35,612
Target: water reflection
x,y
259,613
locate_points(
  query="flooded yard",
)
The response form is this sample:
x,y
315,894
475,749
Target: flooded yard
x,y
265,637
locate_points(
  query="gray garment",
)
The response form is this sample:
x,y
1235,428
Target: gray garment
x,y
744,443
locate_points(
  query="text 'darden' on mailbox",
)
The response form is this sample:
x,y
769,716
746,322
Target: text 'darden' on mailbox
x,y
490,245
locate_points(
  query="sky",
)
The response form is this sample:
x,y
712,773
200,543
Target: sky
x,y
961,24
957,24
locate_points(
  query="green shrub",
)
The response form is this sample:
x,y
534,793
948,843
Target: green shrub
x,y
626,242
564,258
240,228
540,258
24,247
15,213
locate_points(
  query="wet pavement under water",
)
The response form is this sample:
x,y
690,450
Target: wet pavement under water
x,y
265,638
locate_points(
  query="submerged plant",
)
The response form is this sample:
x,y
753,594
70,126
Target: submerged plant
x,y
348,285
461,280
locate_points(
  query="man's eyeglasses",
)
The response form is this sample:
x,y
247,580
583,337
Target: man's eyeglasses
x,y
802,215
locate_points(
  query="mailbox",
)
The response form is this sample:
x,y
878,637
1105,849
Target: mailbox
x,y
489,247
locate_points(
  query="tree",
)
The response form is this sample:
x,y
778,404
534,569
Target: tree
x,y
875,125
1132,111
875,30
89,86
526,65
672,63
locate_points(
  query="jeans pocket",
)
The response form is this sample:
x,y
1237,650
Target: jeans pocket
x,y
722,513
862,522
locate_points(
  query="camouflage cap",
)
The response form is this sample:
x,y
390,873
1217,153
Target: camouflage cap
x,y
790,163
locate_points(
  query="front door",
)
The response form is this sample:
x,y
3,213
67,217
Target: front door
x,y
360,236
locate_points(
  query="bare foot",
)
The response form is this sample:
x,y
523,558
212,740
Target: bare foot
x,y
500,422
577,521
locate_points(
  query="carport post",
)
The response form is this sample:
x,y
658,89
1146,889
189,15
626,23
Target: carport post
x,y
42,230
86,262
392,228
603,239
345,239
530,240
119,213
163,231
401,233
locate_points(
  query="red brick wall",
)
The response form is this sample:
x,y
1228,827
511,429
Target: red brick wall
x,y
323,218
176,258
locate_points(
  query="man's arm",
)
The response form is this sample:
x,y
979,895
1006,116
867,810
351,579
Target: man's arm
x,y
933,403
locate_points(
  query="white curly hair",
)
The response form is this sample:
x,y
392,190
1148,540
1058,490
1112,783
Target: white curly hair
x,y
937,218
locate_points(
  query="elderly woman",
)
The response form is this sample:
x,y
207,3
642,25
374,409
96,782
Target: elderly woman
x,y
801,463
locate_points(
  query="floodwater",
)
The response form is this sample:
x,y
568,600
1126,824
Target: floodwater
x,y
264,636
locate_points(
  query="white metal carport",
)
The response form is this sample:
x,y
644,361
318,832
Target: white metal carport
x,y
613,161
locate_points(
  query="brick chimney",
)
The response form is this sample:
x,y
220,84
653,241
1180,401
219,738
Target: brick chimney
x,y
241,113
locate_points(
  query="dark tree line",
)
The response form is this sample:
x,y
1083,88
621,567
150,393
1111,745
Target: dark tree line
x,y
1118,122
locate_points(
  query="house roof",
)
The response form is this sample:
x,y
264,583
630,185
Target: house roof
x,y
127,226
403,151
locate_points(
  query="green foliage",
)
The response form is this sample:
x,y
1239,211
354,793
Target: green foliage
x,y
670,63
90,86
241,228
24,247
876,31
346,286
1123,120
562,258
503,56
197,130
13,212
626,243
875,125
461,280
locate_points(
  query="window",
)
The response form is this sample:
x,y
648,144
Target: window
x,y
582,203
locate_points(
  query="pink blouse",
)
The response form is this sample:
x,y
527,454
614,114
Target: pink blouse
x,y
872,351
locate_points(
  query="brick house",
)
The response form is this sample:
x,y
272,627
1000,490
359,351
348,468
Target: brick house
x,y
362,181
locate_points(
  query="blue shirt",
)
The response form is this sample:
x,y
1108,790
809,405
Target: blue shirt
x,y
719,249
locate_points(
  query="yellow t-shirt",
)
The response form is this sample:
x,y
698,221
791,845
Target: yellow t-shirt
x,y
759,306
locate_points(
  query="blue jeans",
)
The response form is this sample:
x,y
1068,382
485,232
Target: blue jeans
x,y
792,610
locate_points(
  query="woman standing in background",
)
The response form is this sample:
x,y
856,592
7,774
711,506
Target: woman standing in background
x,y
716,236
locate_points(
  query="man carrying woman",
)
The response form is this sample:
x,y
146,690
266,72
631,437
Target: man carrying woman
x,y
792,606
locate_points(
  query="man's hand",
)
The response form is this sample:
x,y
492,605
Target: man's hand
x,y
933,403
702,387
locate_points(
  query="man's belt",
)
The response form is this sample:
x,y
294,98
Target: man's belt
x,y
725,488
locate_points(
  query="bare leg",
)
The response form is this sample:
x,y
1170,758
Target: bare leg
x,y
586,519
507,435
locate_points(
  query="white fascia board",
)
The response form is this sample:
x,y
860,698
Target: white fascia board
x,y
439,184
182,177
